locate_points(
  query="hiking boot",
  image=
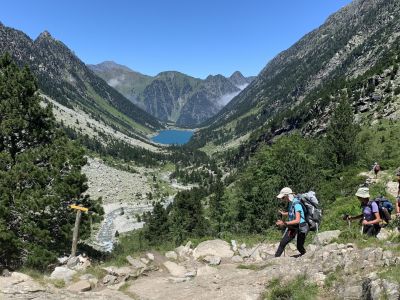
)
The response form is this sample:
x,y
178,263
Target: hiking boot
x,y
298,255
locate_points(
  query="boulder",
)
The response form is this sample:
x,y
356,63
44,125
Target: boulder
x,y
63,260
392,289
150,256
18,285
384,234
175,269
234,245
145,261
124,271
181,251
63,273
244,252
110,279
80,286
325,237
171,255
213,247
72,262
136,263
20,277
212,260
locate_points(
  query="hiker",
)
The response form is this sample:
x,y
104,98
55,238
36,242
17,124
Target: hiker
x,y
398,180
296,224
376,168
398,206
370,213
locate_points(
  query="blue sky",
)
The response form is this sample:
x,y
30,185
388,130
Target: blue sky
x,y
194,37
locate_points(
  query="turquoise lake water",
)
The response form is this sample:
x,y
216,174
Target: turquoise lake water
x,y
177,137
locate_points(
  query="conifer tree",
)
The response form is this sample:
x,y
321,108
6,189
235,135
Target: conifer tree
x,y
40,174
341,135
156,229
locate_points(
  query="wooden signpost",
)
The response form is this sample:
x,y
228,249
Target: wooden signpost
x,y
79,210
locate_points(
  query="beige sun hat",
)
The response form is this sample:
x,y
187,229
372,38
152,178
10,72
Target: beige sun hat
x,y
284,192
363,192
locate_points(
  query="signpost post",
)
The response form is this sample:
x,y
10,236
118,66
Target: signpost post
x,y
79,210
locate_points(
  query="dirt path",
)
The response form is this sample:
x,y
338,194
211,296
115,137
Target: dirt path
x,y
224,282
383,176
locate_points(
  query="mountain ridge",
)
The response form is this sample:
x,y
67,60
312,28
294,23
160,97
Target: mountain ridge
x,y
173,96
306,78
66,79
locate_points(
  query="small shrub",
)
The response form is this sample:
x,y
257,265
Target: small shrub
x,y
298,289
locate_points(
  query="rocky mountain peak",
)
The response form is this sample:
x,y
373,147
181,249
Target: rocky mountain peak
x,y
239,80
45,35
109,65
236,75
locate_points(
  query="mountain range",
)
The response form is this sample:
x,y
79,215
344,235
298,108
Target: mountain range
x,y
63,77
173,96
356,52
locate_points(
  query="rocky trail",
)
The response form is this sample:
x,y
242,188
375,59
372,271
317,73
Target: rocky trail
x,y
216,269
383,176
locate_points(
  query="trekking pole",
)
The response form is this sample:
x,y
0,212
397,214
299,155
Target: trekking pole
x,y
257,246
284,250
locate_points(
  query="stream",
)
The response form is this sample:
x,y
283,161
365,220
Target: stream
x,y
105,238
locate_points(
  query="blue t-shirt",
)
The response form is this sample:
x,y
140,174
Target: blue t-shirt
x,y
295,206
369,211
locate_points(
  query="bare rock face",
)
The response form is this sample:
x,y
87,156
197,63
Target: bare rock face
x,y
214,247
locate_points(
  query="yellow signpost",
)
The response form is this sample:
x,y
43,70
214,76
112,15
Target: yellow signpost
x,y
79,207
79,210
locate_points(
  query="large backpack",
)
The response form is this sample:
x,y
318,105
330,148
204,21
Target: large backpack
x,y
312,212
385,208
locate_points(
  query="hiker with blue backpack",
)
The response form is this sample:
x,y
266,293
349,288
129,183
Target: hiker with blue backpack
x,y
373,212
296,224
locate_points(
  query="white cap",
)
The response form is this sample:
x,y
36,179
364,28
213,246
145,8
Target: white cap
x,y
285,192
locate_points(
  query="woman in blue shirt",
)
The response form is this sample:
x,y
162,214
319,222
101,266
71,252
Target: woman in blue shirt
x,y
296,224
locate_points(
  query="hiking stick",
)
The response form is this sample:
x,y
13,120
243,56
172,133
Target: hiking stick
x,y
284,250
257,247
264,241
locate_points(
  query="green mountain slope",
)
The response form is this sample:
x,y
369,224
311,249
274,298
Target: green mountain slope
x,y
173,96
65,78
355,49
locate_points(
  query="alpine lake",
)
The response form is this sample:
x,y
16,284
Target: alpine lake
x,y
173,137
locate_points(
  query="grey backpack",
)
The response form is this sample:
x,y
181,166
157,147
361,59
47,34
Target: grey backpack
x,y
313,213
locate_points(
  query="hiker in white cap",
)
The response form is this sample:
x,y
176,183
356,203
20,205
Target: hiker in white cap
x,y
296,224
370,213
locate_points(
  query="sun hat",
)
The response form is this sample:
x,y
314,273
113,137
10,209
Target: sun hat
x,y
363,192
284,192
